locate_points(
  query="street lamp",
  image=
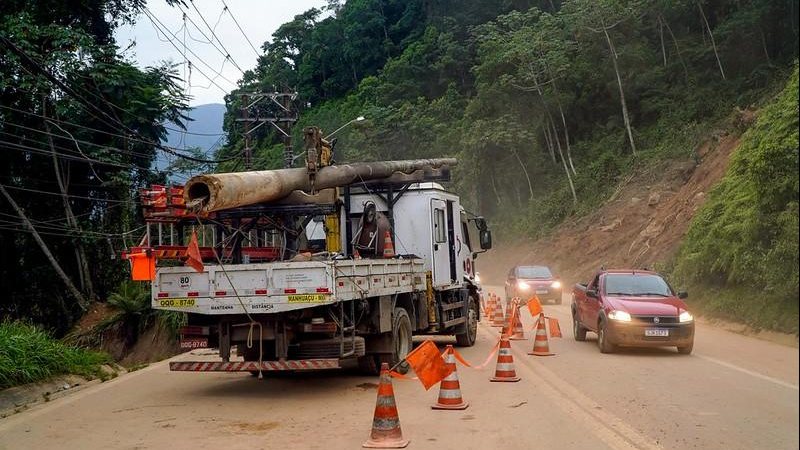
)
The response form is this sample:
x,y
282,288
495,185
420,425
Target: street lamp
x,y
357,119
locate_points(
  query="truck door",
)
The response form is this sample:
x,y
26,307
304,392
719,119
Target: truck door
x,y
440,244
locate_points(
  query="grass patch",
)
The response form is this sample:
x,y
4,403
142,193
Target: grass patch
x,y
29,354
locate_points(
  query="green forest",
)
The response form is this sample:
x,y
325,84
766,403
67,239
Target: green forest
x,y
546,104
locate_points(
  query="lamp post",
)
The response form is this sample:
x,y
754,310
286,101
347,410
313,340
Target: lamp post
x,y
357,119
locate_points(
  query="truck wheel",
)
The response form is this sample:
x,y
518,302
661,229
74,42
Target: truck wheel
x,y
687,350
578,331
467,338
401,339
602,339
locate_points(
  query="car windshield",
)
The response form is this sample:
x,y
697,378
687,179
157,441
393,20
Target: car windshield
x,y
636,284
534,272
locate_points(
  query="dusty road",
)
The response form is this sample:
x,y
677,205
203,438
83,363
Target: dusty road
x,y
734,392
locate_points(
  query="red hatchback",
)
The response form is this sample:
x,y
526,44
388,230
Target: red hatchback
x,y
525,281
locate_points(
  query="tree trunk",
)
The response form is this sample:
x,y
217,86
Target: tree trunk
x,y
566,130
524,170
625,116
677,48
661,36
549,141
82,301
494,189
713,43
85,275
564,161
764,45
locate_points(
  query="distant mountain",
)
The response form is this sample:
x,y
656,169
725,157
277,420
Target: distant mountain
x,y
204,131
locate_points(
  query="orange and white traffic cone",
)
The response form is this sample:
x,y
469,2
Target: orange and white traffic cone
x,y
388,247
517,332
498,320
490,305
386,432
504,371
541,346
449,388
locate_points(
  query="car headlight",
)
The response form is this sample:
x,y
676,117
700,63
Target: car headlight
x,y
620,316
556,285
523,286
685,316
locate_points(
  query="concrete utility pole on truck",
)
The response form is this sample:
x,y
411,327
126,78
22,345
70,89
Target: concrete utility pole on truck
x,y
286,306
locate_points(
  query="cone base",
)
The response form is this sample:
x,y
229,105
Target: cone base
x,y
518,338
462,405
402,443
505,379
541,353
498,326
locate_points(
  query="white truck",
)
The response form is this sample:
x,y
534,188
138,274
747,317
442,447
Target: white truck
x,y
285,308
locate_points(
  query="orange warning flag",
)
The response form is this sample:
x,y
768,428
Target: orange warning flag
x,y
143,266
193,257
555,329
428,364
534,306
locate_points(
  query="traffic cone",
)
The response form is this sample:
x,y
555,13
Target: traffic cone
x,y
517,332
490,305
386,432
504,371
498,320
388,247
541,346
449,388
356,254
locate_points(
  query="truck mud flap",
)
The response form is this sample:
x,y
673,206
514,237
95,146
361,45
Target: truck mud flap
x,y
249,366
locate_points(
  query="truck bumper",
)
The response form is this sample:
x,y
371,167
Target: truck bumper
x,y
253,366
634,335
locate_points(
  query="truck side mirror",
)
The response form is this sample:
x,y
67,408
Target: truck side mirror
x,y
486,239
591,293
683,294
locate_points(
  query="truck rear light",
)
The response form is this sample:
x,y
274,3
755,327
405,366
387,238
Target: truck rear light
x,y
290,291
163,294
194,330
221,293
341,284
261,292
323,290
193,294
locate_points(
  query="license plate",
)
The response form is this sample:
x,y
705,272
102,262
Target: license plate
x,y
176,303
192,343
307,298
541,291
656,332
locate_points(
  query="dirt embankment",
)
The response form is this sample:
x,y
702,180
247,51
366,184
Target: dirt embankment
x,y
641,225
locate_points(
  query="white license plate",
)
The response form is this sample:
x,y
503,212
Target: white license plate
x,y
541,291
656,332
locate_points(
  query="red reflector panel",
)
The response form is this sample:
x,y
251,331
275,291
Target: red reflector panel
x,y
290,291
323,290
220,293
163,295
193,294
261,292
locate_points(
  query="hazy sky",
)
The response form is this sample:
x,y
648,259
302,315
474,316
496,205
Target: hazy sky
x,y
258,19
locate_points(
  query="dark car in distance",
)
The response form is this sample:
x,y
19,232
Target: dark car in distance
x,y
525,281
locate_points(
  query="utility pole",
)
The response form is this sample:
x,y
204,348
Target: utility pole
x,y
280,115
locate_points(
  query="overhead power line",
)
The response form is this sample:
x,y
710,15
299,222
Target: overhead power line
x,y
224,51
258,55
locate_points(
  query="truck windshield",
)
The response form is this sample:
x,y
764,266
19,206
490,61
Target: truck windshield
x,y
534,272
636,284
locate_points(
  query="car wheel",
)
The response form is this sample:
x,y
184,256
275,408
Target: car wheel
x,y
578,331
602,339
686,350
470,334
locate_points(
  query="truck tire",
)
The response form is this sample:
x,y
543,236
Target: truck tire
x,y
470,334
401,346
602,340
578,331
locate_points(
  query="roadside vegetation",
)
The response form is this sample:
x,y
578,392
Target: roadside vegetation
x,y
29,354
741,249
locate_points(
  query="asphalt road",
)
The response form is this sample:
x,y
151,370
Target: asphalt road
x,y
733,392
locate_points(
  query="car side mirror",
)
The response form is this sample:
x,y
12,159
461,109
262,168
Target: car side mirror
x,y
486,239
592,293
683,294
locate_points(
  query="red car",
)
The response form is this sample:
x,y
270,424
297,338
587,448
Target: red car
x,y
632,308
525,281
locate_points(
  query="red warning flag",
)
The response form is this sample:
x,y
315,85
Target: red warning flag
x,y
193,257
428,364
143,266
534,306
555,329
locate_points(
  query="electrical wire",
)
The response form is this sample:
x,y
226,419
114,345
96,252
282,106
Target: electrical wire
x,y
224,51
258,55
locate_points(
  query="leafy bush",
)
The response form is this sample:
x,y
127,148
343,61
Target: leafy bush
x,y
746,235
28,354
